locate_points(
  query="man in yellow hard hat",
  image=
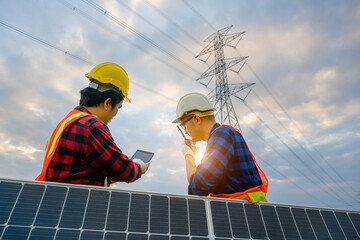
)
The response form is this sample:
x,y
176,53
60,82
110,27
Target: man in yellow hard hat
x,y
228,169
81,149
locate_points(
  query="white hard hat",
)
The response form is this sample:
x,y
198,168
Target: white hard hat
x,y
192,102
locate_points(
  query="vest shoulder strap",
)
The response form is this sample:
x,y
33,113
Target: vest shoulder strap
x,y
54,139
252,195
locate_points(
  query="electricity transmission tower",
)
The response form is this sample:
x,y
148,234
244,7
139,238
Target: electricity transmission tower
x,y
222,92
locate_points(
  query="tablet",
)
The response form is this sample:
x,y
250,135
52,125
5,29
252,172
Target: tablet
x,y
143,155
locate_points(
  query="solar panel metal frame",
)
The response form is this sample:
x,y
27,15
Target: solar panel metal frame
x,y
100,222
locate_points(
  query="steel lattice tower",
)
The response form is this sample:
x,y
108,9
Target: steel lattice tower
x,y
222,92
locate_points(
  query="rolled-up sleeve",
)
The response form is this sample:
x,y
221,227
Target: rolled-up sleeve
x,y
209,173
104,155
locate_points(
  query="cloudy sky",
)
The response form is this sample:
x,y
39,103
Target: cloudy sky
x,y
301,120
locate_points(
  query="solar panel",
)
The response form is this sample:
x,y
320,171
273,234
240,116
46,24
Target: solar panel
x,y
303,224
45,210
272,223
287,222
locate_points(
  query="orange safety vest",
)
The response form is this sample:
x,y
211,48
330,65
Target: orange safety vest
x,y
54,140
252,195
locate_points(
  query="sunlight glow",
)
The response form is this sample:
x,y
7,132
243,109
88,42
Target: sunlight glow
x,y
199,156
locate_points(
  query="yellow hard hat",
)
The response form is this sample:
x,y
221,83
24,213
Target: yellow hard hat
x,y
193,103
111,73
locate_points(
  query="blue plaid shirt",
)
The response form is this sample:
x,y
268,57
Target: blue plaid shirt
x,y
227,165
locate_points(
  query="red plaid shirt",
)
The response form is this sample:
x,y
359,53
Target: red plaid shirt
x,y
87,153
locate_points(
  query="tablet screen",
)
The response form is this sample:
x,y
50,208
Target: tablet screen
x,y
143,155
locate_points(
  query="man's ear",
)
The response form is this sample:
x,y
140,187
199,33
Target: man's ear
x,y
197,119
107,104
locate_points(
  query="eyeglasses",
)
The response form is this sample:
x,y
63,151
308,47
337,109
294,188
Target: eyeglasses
x,y
182,124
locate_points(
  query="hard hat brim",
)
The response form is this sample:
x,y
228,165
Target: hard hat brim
x,y
196,112
177,120
127,100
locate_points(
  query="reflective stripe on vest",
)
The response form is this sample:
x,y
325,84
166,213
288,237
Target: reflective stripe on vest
x,y
252,195
54,139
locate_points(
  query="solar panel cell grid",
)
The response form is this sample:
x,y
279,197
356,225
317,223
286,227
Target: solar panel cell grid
x,y
12,232
43,210
179,238
178,216
42,233
197,216
139,213
355,219
96,210
91,235
159,215
51,206
238,221
67,234
256,224
318,224
27,205
158,237
272,223
220,219
287,223
9,193
332,225
115,236
346,225
137,236
74,209
303,224
118,212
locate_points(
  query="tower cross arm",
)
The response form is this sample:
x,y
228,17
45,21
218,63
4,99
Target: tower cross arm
x,y
234,88
219,34
209,48
230,62
209,72
230,37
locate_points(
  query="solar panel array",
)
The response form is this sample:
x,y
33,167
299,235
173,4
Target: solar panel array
x,y
38,210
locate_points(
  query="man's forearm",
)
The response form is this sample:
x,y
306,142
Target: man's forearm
x,y
190,166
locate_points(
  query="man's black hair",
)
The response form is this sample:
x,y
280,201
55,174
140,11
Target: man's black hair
x,y
91,97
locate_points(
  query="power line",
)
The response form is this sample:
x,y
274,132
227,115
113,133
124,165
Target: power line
x,y
222,92
123,24
325,190
211,26
284,158
295,154
286,113
50,45
157,28
199,15
34,38
43,42
298,143
273,114
174,23
293,182
300,172
218,40
137,46
222,99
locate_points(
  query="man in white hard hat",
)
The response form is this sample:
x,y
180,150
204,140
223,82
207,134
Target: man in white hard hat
x,y
81,149
228,169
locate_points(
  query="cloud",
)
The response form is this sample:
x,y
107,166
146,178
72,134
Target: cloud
x,y
306,53
8,148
